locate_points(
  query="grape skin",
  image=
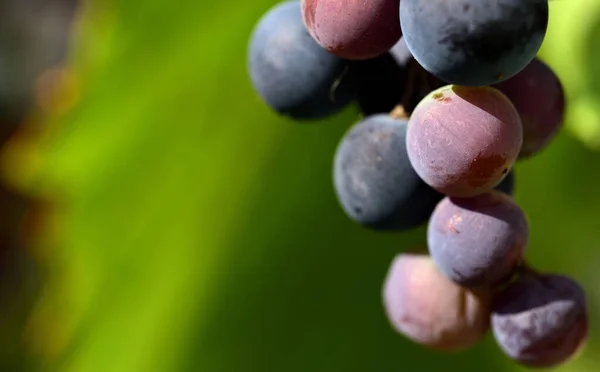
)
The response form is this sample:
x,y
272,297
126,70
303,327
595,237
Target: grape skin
x,y
540,321
292,74
474,42
478,241
374,181
462,141
353,29
429,309
538,96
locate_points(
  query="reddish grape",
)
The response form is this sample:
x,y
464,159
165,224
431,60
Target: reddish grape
x,y
431,310
353,29
462,141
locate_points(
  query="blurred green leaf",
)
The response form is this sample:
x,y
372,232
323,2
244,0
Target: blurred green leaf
x,y
571,48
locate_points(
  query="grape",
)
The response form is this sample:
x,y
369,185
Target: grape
x,y
462,141
353,29
474,42
478,241
537,94
374,181
540,321
429,309
291,72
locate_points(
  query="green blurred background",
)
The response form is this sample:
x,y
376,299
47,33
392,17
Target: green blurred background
x,y
191,229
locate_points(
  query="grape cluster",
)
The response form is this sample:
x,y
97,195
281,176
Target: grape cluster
x,y
452,95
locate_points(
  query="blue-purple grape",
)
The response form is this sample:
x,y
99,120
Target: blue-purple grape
x,y
474,42
540,321
292,74
374,180
478,241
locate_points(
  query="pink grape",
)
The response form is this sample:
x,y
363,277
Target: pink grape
x,y
430,310
353,29
463,141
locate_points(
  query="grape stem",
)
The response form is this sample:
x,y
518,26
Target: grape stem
x,y
407,97
418,85
337,83
399,113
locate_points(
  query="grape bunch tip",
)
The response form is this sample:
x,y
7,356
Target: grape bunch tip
x,y
451,97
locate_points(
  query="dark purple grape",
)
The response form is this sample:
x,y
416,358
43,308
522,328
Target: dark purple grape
x,y
537,94
374,181
478,241
462,141
431,310
292,74
353,29
474,42
540,321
